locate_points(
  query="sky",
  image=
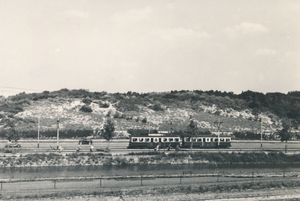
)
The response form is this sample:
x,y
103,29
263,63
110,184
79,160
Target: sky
x,y
149,46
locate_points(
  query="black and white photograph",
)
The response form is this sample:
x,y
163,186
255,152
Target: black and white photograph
x,y
156,100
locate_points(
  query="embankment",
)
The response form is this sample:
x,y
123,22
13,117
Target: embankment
x,y
80,159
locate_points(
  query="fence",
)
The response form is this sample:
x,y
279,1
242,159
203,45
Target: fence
x,y
130,181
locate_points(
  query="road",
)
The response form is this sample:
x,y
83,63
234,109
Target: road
x,y
120,146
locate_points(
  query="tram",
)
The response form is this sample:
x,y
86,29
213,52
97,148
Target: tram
x,y
164,140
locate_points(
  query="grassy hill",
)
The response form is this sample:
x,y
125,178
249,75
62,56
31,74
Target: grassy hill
x,y
84,110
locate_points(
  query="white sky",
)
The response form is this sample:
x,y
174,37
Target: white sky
x,y
145,46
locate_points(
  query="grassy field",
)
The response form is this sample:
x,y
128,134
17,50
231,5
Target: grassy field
x,y
109,188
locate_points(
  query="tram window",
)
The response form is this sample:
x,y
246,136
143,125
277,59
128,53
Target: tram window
x,y
171,139
165,139
227,140
134,139
155,140
204,140
176,140
207,139
222,139
188,139
141,139
147,139
216,139
194,139
211,139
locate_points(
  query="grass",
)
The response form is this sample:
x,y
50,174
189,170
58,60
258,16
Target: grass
x,y
221,157
149,158
166,190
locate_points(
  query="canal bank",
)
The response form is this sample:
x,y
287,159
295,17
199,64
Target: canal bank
x,y
146,158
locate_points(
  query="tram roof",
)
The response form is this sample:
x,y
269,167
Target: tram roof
x,y
155,135
171,135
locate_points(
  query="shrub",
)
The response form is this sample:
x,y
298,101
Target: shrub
x,y
85,108
87,101
104,105
116,115
144,120
108,113
156,107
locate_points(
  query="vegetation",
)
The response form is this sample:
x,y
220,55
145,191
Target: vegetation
x,y
133,107
141,131
285,133
86,108
11,133
222,158
166,190
63,134
148,157
248,135
108,131
192,130
283,105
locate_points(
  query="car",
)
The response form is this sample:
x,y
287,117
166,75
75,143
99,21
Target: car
x,y
85,141
12,144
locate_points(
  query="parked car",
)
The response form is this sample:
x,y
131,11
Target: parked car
x,y
85,141
12,144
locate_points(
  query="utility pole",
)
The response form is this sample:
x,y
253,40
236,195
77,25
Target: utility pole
x,y
57,133
38,145
260,133
218,125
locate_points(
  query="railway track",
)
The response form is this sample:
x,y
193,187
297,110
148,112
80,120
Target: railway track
x,y
120,147
121,151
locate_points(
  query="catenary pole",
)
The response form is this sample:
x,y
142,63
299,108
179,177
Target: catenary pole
x,y
38,145
57,133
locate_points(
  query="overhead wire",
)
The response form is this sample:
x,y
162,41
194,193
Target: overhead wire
x,y
20,88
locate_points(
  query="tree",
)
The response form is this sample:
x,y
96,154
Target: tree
x,y
192,131
285,133
11,133
108,131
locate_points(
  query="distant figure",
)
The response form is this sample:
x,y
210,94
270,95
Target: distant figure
x,y
60,148
156,148
78,149
177,148
107,149
92,149
169,147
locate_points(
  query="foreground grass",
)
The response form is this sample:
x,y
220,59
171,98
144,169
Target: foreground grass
x,y
221,157
167,190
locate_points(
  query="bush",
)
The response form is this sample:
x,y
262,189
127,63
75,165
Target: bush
x,y
117,115
156,107
104,105
85,108
87,101
144,120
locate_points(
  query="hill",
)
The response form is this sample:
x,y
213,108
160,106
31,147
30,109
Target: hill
x,y
80,110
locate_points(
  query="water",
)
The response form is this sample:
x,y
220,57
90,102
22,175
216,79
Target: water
x,y
82,171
